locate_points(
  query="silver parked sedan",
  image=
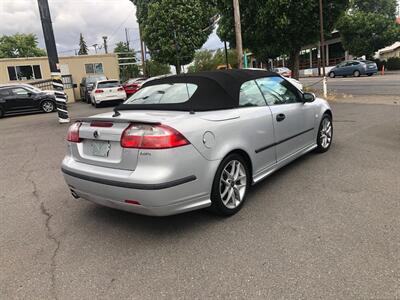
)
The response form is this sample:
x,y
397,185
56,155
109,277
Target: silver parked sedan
x,y
193,141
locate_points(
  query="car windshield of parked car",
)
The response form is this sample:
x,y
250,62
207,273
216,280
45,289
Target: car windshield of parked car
x,y
108,84
91,80
163,94
33,88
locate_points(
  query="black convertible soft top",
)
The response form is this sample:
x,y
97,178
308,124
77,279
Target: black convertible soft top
x,y
216,90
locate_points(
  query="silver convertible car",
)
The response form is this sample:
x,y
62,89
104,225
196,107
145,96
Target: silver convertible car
x,y
193,141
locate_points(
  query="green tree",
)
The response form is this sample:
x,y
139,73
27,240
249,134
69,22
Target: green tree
x,y
368,26
274,27
20,45
83,49
154,68
174,29
127,71
206,60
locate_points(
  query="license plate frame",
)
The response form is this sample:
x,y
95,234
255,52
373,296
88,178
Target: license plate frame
x,y
101,148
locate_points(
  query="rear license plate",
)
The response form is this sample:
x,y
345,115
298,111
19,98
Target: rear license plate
x,y
101,148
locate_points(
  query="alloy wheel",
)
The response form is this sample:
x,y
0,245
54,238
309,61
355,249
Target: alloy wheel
x,y
326,133
48,106
233,184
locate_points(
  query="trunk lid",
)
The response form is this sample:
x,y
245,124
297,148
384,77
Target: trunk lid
x,y
101,137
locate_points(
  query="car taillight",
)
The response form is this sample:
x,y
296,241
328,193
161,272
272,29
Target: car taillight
x,y
73,133
98,91
120,89
149,136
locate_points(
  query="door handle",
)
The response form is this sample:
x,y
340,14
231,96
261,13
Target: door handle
x,y
280,117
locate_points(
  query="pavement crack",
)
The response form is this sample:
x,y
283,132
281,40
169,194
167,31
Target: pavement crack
x,y
50,235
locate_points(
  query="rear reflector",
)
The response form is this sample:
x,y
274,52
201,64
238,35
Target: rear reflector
x,y
133,202
148,136
98,91
101,124
73,133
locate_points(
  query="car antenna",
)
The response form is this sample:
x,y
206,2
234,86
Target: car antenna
x,y
116,113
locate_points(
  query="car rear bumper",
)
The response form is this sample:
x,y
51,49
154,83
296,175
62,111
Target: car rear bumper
x,y
114,98
165,197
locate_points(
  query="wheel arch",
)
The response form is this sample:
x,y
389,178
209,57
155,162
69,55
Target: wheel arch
x,y
245,156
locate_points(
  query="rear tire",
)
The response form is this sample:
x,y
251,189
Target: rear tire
x,y
369,75
230,185
48,106
356,73
1,113
325,134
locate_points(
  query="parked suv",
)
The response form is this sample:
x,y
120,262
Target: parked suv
x,y
87,85
354,68
16,98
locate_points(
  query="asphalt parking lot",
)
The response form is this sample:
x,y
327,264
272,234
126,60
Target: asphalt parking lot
x,y
326,226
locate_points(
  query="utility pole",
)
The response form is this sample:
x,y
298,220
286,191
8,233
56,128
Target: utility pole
x,y
226,56
127,39
238,31
61,99
105,44
321,22
142,53
95,47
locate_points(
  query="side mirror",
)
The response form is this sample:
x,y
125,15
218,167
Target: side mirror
x,y
29,94
308,97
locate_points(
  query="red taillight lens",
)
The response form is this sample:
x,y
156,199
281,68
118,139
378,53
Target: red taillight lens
x,y
98,91
73,133
148,136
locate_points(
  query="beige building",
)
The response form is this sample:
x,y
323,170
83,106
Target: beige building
x,y
36,69
389,52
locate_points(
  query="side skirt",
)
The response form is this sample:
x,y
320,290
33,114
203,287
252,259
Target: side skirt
x,y
263,174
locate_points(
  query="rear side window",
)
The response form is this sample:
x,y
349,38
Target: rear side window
x,y
5,93
250,95
20,91
108,84
163,94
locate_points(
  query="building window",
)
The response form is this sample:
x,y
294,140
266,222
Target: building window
x,y
96,68
29,72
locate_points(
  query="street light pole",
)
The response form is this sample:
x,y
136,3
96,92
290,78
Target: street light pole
x,y
321,22
58,87
238,31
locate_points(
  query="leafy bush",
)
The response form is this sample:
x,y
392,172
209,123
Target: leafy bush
x,y
393,63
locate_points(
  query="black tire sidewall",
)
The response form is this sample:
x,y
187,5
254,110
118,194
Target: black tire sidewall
x,y
321,149
216,202
1,113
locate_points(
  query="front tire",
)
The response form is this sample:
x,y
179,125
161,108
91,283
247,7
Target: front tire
x,y
1,113
230,185
48,106
332,75
356,73
325,134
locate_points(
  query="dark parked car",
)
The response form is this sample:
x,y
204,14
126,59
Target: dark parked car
x,y
17,98
354,68
87,85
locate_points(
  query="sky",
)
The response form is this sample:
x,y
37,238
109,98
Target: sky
x,y
92,18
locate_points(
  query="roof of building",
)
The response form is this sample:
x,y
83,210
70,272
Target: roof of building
x,y
215,90
390,48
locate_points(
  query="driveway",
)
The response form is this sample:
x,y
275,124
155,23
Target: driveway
x,y
326,226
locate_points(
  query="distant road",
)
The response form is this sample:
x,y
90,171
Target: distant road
x,y
388,85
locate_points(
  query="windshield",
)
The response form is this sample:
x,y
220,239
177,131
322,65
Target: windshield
x,y
94,79
32,88
163,94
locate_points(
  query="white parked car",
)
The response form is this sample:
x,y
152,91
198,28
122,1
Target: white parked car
x,y
107,90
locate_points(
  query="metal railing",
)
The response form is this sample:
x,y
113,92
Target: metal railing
x,y
47,84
